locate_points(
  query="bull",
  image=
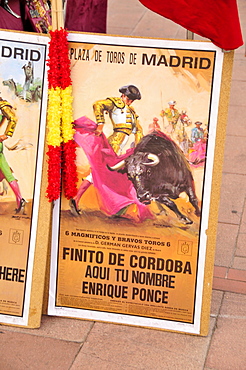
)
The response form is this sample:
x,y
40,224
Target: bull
x,y
159,171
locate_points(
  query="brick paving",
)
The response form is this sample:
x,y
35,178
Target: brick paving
x,y
63,343
229,280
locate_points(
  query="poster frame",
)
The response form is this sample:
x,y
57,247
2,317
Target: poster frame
x,y
37,247
219,108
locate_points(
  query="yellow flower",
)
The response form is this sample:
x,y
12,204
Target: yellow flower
x,y
54,116
67,114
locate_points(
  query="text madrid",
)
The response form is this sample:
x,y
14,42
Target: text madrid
x,y
20,53
118,57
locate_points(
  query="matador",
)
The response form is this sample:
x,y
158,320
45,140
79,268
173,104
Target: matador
x,y
125,122
9,117
122,115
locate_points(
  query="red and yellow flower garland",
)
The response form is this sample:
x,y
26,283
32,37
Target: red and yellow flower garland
x,y
61,146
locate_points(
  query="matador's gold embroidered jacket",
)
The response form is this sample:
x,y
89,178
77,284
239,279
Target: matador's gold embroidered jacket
x,y
124,120
8,112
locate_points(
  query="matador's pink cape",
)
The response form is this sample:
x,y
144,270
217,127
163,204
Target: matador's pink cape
x,y
115,190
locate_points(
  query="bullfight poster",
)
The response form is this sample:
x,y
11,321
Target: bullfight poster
x,y
23,100
130,247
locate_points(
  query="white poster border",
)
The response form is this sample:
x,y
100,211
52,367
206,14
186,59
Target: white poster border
x,y
37,40
215,96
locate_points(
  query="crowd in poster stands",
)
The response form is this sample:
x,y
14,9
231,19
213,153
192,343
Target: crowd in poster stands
x,y
193,145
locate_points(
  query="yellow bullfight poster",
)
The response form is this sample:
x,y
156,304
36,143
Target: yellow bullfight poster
x,y
130,247
23,99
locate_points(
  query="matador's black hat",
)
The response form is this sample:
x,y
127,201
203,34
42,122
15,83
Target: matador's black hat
x,y
131,92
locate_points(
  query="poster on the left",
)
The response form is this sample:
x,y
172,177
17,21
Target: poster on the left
x,y
23,103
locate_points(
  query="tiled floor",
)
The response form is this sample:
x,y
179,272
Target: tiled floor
x,y
65,344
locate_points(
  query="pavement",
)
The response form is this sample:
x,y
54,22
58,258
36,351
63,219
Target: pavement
x,y
62,343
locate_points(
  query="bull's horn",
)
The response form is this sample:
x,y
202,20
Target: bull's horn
x,y
154,158
117,166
